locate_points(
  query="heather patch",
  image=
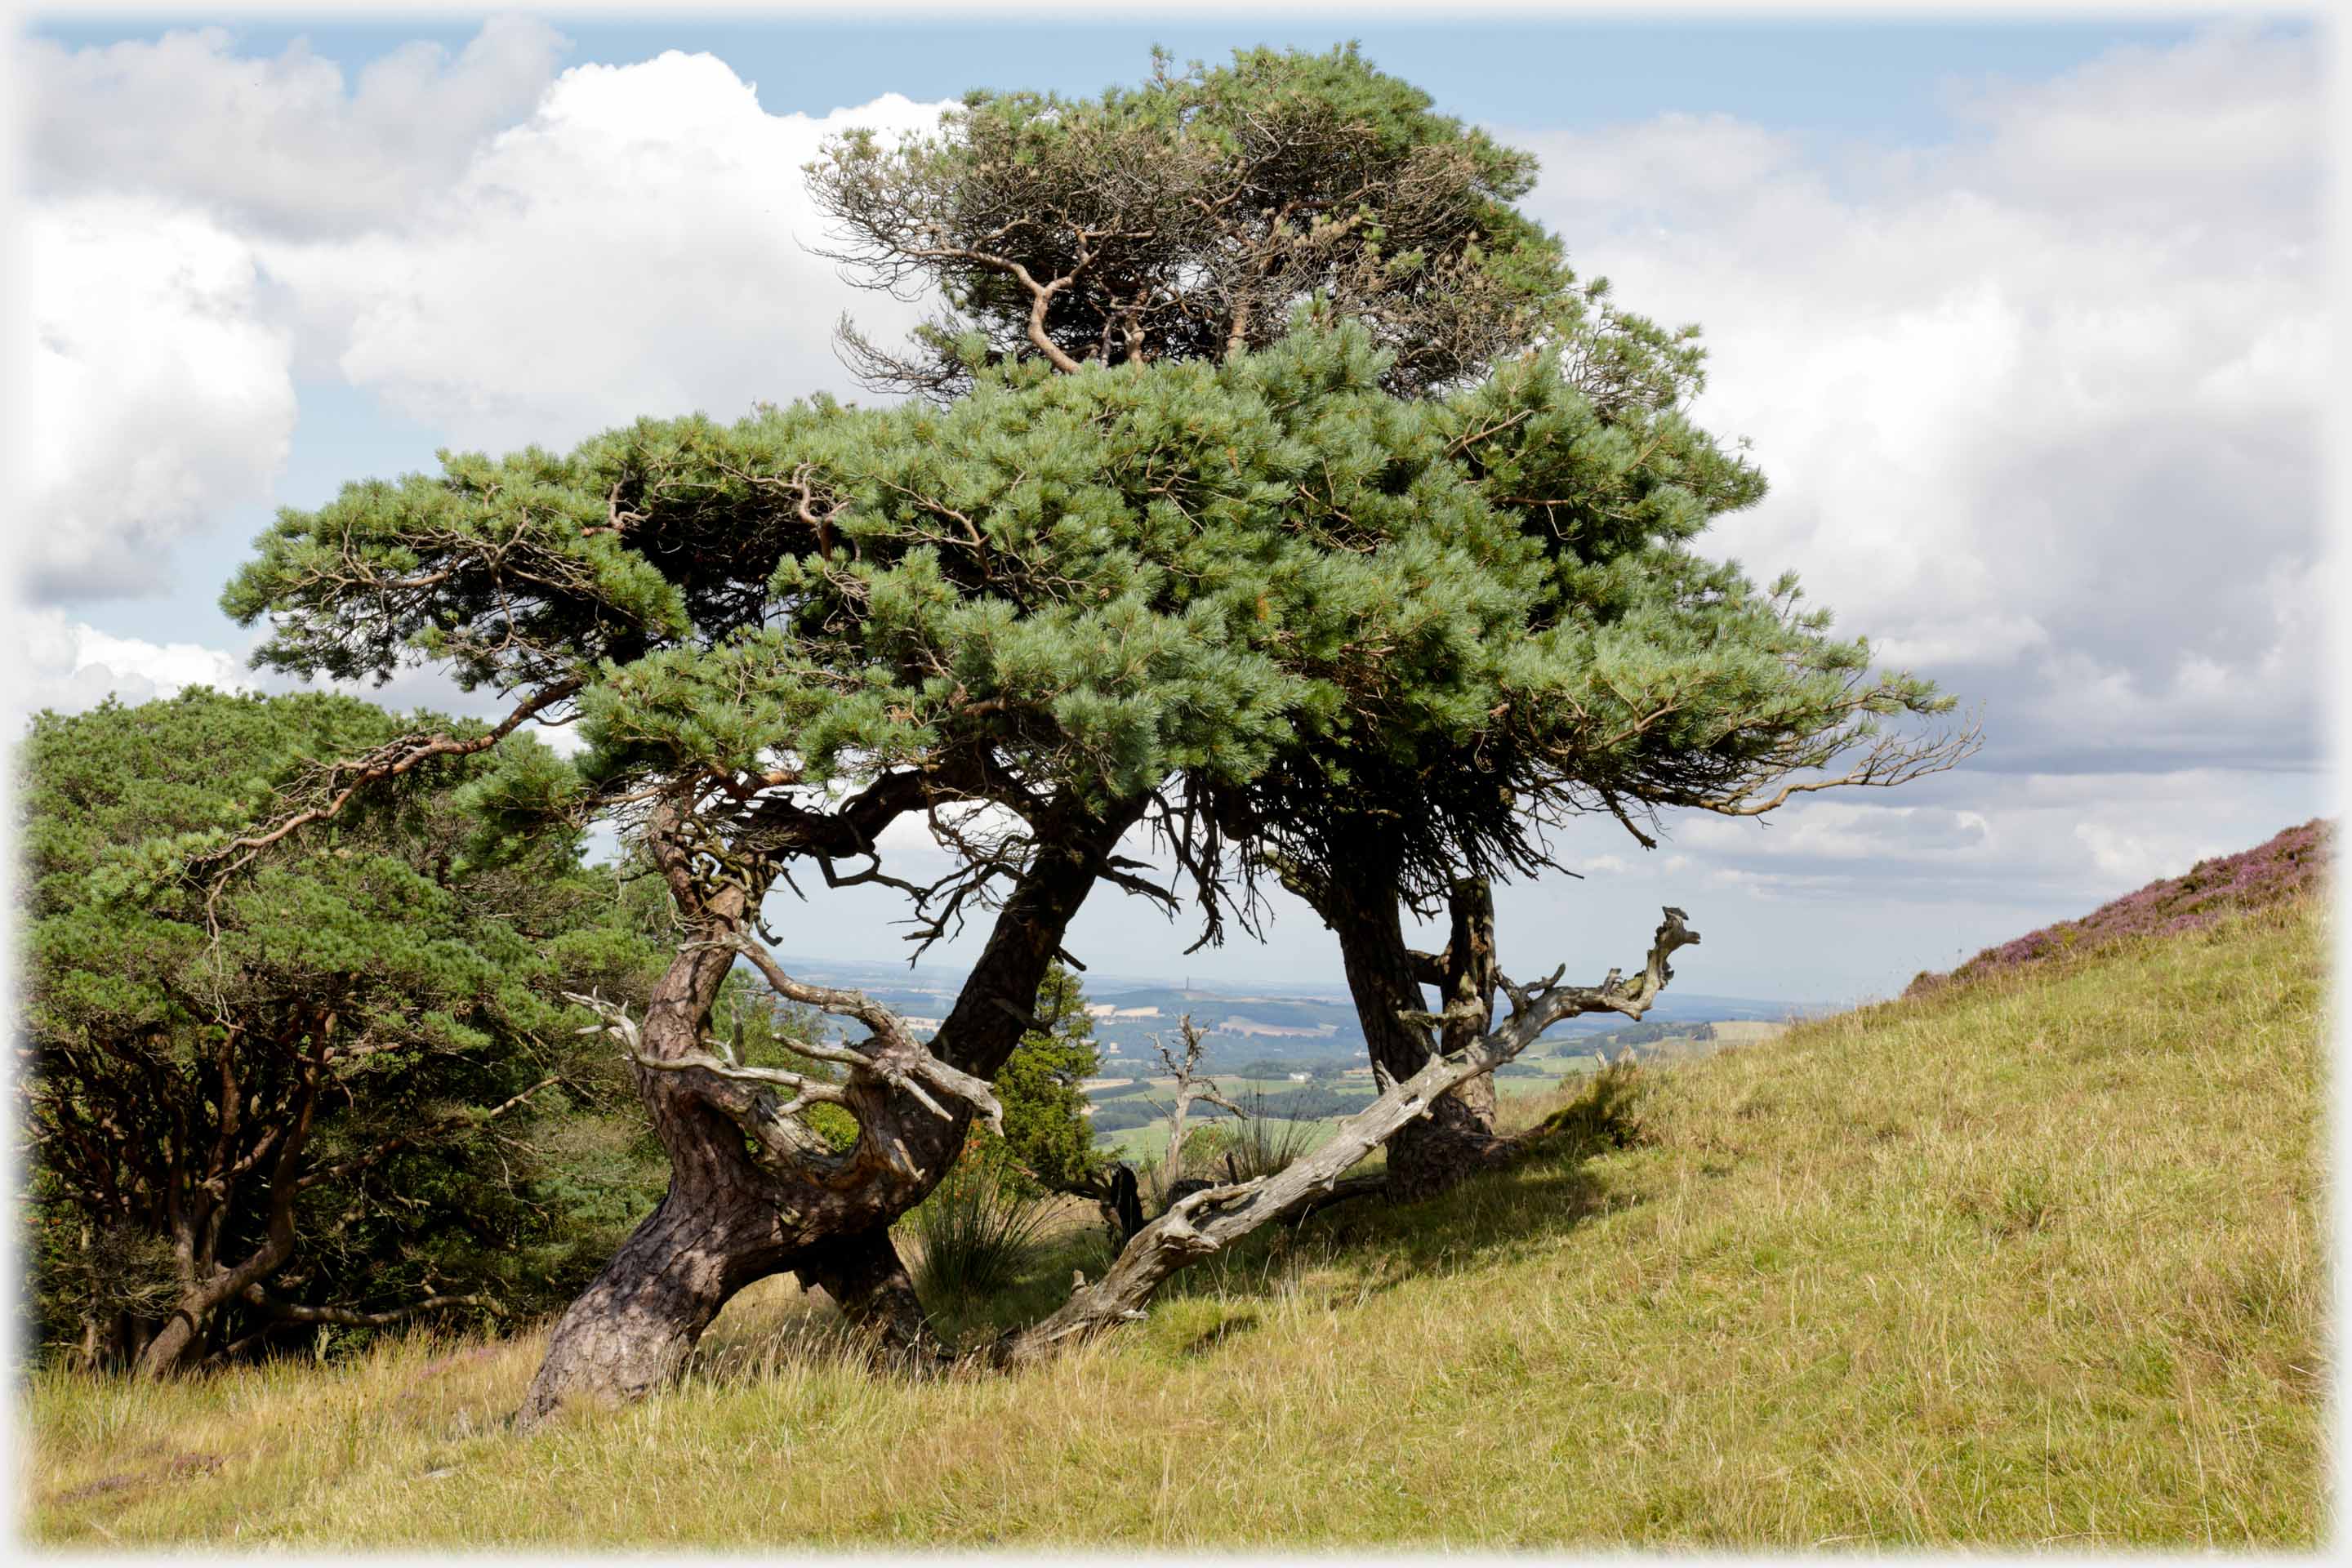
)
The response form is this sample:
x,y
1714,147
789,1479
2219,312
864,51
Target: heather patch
x,y
2285,867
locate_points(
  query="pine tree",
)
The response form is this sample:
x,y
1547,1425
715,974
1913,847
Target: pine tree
x,y
1045,1125
1196,218
257,1114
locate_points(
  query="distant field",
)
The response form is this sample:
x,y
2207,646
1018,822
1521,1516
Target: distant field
x,y
1148,1142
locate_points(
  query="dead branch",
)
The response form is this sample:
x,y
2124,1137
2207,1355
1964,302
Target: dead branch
x,y
295,1312
1191,1085
1205,1223
891,1059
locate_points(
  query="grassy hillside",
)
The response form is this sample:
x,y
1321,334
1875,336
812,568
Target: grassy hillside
x,y
2033,1258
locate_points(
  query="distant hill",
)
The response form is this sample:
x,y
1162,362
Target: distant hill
x,y
1241,1024
2286,867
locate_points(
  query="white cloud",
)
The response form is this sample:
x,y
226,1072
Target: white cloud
x,y
637,246
158,394
2223,127
2132,858
2060,843
280,144
71,665
2039,408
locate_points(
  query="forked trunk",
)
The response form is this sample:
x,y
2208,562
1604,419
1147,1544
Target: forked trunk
x,y
717,1229
207,1288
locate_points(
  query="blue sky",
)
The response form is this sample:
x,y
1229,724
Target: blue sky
x,y
1886,79
2020,317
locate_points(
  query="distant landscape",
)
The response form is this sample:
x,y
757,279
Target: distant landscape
x,y
1303,1027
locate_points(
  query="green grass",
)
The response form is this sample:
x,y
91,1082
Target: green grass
x,y
2033,1261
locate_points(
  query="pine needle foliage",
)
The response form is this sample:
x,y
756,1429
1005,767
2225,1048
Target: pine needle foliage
x,y
1047,1132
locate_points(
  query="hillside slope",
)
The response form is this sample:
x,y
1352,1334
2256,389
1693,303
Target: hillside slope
x,y
2031,1260
2291,863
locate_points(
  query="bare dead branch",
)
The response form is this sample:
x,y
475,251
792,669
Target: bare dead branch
x,y
341,1317
1191,1085
1205,1223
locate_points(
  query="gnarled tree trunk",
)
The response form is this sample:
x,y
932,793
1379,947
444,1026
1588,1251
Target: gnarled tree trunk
x,y
717,1227
750,1194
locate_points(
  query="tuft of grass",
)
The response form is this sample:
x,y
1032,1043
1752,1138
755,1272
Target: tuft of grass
x,y
978,1229
2030,1261
1601,1112
1264,1145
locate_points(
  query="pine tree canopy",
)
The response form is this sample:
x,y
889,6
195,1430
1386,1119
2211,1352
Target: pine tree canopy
x,y
1189,218
1240,590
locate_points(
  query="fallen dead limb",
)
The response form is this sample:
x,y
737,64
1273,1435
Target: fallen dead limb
x,y
1205,1223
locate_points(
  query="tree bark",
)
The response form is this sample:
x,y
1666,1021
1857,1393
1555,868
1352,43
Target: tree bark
x,y
869,1283
630,1331
177,1345
1385,977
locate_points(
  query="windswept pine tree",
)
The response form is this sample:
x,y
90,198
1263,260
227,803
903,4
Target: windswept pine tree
x,y
1200,216
1344,519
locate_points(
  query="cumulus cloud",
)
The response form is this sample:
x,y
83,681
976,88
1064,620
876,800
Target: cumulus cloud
x,y
70,666
2039,406
2223,127
635,244
282,145
160,395
638,245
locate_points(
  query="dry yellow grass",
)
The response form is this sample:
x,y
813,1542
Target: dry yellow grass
x,y
2032,1262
